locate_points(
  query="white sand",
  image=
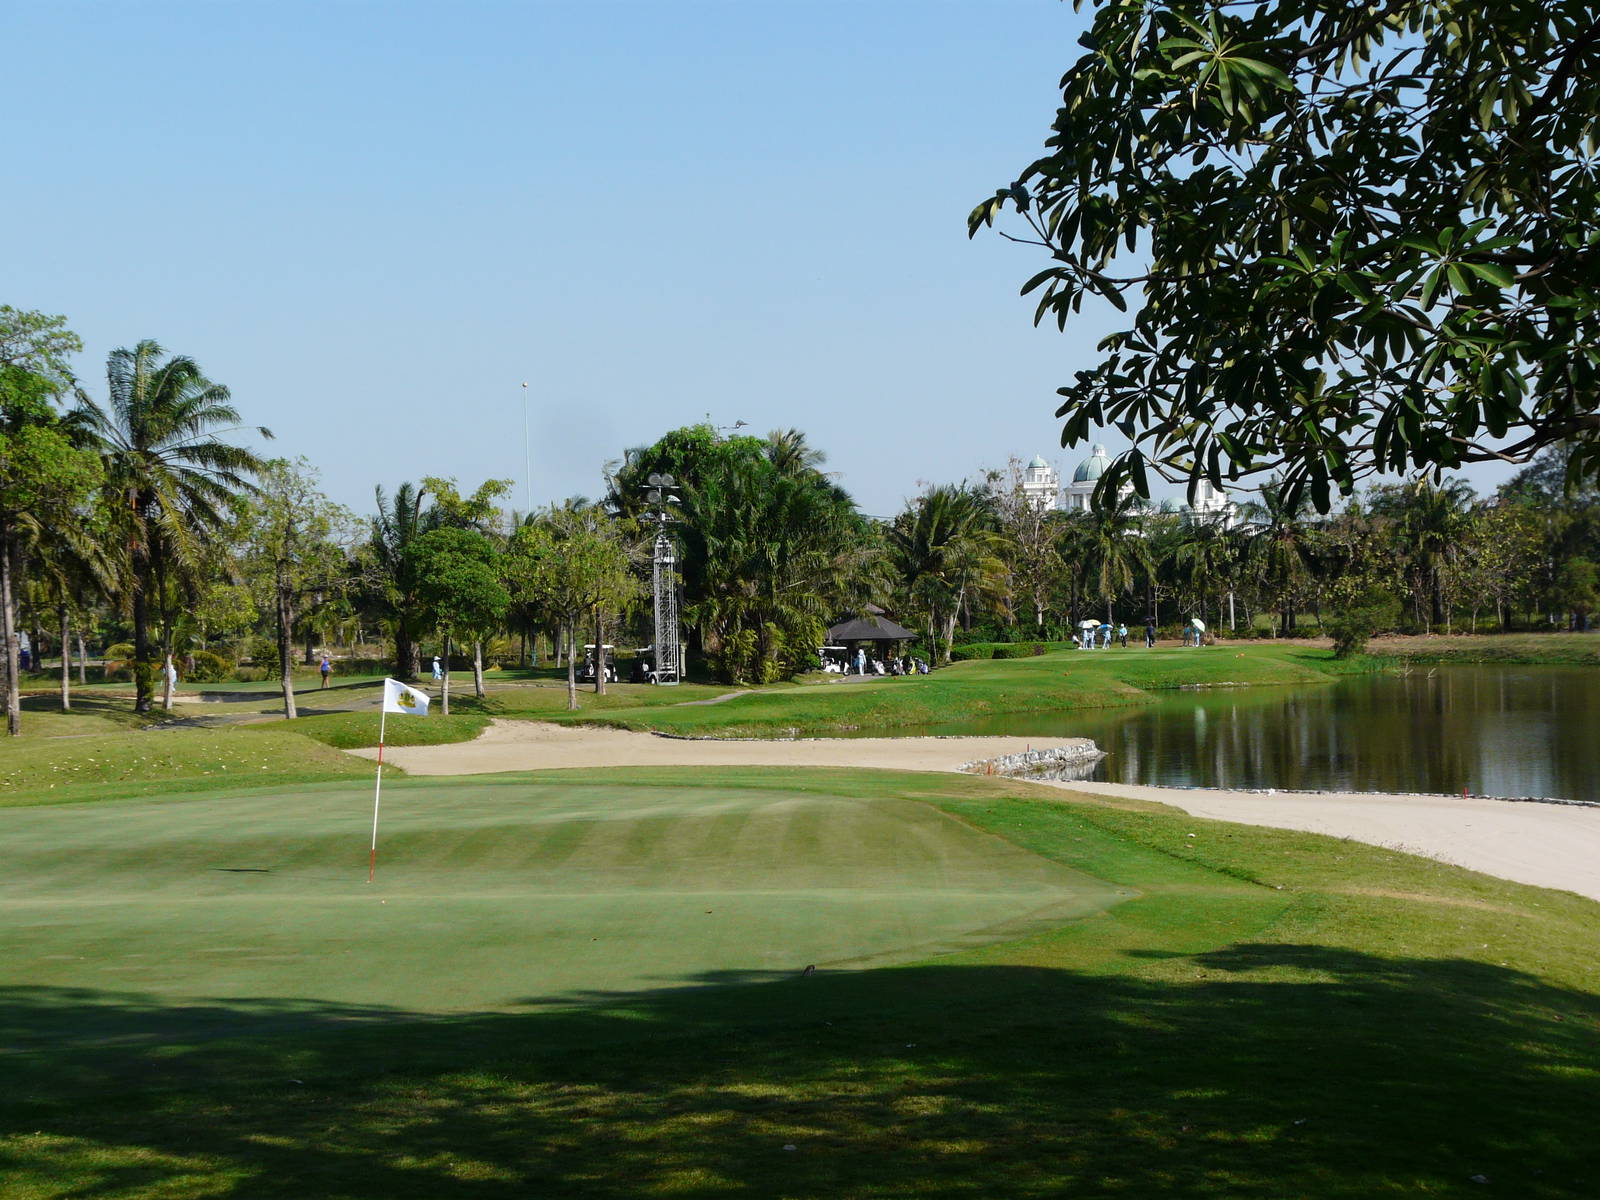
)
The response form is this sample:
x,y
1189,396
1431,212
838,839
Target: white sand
x,y
1547,845
535,746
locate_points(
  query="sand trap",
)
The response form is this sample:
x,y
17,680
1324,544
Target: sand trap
x,y
534,746
1546,845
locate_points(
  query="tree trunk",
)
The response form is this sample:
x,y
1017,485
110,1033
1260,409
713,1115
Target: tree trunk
x,y
8,631
141,635
285,606
311,647
407,653
477,669
83,660
444,685
66,658
572,667
599,652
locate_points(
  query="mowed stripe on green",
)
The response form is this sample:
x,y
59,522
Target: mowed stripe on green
x,y
491,895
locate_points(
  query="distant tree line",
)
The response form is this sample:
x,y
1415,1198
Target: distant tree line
x,y
134,523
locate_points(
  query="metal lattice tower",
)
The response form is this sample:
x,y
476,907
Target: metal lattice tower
x,y
668,648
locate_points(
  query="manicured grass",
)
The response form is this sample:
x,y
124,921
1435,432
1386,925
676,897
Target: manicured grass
x,y
90,713
1510,648
493,895
1056,682
351,730
1272,1014
112,766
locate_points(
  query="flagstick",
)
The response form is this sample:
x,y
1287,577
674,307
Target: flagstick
x,y
377,795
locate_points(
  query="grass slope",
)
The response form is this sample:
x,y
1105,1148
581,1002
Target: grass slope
x,y
1274,1014
163,762
1059,682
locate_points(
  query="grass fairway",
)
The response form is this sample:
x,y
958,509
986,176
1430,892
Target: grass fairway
x,y
1213,1010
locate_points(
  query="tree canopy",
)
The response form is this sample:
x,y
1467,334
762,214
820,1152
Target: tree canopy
x,y
1353,237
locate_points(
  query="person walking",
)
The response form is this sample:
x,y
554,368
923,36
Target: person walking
x,y
326,668
1122,633
1149,633
438,671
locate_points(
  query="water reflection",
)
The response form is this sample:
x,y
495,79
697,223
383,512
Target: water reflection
x,y
1500,731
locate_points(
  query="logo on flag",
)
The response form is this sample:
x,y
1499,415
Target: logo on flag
x,y
398,698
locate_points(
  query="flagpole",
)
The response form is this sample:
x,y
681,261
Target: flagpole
x,y
377,789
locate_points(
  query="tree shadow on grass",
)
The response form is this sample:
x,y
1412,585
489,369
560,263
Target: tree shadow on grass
x,y
1258,1070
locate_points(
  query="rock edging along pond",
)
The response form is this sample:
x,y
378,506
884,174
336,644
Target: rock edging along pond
x,y
1081,753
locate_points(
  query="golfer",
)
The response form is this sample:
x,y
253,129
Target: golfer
x,y
438,671
326,668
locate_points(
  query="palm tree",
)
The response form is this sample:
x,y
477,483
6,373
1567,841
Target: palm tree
x,y
1429,520
1279,535
394,533
1114,547
1205,554
774,557
170,478
946,551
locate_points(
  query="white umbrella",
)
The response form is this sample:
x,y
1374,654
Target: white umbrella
x,y
1198,624
1090,623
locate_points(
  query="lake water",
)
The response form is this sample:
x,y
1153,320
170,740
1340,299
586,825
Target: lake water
x,y
1498,731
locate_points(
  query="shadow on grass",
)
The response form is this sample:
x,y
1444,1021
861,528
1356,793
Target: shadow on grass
x,y
1258,1070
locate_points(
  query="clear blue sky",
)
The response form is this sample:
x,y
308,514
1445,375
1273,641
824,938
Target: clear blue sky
x,y
374,221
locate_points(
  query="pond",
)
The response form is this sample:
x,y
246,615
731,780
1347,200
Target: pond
x,y
1495,730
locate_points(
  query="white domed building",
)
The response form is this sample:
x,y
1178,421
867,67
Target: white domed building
x,y
1041,485
1080,492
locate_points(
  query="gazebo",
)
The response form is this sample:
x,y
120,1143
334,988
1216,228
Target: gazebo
x,y
871,626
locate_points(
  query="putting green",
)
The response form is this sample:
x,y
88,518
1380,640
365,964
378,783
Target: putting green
x,y
492,895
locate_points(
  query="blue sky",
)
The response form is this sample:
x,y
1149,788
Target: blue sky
x,y
373,222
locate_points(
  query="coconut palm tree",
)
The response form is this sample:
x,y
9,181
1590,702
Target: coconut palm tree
x,y
1114,546
170,476
947,553
1279,534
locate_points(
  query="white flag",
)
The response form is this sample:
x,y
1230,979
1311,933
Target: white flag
x,y
398,698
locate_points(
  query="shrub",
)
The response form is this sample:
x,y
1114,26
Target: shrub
x,y
249,674
119,651
1358,618
206,667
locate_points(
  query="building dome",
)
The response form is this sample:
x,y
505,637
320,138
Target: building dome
x,y
1038,463
1092,467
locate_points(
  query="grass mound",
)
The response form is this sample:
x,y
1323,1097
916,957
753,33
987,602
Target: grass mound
x,y
163,762
1272,1014
1058,682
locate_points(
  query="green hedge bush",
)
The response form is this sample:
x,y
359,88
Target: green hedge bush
x,y
207,667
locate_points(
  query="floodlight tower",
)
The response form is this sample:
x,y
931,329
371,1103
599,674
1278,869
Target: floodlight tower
x,y
669,656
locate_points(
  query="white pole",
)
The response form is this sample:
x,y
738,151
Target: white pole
x,y
527,461
377,791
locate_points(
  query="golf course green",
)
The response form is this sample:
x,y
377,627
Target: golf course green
x,y
495,895
591,983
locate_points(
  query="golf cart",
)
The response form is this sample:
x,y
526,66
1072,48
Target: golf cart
x,y
834,659
644,665
586,668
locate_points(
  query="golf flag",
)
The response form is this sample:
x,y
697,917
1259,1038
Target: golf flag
x,y
398,698
407,701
